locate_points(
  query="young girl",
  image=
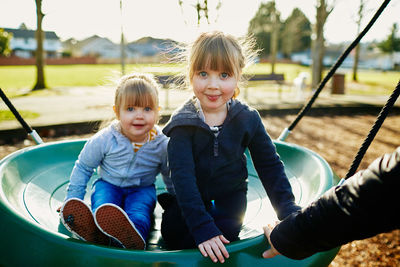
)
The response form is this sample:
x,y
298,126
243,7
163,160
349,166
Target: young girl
x,y
129,154
208,137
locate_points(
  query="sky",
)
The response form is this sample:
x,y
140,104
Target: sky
x,y
166,19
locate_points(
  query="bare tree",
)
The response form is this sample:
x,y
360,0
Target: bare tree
x,y
360,15
123,54
202,9
318,42
40,81
274,36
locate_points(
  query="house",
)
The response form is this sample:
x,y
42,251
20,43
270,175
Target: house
x,y
382,61
303,57
149,46
96,46
23,43
369,59
330,57
105,49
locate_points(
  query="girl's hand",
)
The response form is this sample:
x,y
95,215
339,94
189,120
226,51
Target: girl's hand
x,y
271,252
215,248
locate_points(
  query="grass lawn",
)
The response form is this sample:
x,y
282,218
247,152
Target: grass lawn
x,y
387,79
8,115
16,80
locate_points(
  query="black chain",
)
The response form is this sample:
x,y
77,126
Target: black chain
x,y
375,128
337,64
3,96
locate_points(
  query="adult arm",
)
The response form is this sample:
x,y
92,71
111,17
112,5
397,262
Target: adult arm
x,y
365,205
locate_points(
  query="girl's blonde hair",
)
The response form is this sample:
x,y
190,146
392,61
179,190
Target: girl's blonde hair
x,y
136,89
220,51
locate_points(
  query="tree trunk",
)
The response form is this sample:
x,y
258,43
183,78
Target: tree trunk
x,y
274,39
355,63
288,46
357,50
318,51
123,54
318,46
40,81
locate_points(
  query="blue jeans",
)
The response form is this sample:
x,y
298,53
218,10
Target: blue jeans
x,y
137,202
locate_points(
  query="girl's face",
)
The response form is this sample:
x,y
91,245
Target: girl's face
x,y
213,89
136,122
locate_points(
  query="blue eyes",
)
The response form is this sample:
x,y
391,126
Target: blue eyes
x,y
223,75
133,108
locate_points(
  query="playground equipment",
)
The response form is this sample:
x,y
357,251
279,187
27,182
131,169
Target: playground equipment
x,y
32,187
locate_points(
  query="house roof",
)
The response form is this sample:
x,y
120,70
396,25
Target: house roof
x,y
21,33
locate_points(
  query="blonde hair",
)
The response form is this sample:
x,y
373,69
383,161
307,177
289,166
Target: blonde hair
x,y
136,89
220,51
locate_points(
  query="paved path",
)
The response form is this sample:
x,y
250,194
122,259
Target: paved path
x,y
83,104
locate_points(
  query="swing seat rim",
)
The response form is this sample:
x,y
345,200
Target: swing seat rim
x,y
30,231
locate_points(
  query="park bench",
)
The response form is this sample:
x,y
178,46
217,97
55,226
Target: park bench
x,y
275,77
279,78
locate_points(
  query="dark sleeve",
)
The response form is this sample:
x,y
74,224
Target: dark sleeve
x,y
199,221
365,205
271,171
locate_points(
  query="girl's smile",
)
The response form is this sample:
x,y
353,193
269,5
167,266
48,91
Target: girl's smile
x,y
213,98
213,88
136,122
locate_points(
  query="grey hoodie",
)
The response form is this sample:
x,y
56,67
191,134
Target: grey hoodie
x,y
112,153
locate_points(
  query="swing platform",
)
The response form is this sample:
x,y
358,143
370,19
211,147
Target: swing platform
x,y
33,185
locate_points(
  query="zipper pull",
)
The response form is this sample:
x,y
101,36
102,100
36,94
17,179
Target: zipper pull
x,y
215,147
215,130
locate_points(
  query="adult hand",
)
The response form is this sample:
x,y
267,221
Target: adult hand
x,y
215,248
271,252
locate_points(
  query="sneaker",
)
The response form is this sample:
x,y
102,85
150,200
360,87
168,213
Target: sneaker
x,y
114,222
77,217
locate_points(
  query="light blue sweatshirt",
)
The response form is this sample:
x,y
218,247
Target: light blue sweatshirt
x,y
112,153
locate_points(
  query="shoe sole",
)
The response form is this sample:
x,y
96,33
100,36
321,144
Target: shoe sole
x,y
113,221
77,217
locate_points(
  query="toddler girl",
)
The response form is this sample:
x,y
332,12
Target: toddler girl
x,y
129,154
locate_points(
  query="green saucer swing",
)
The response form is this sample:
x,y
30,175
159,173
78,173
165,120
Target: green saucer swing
x,y
32,187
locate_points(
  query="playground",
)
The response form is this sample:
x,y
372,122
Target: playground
x,y
336,136
326,140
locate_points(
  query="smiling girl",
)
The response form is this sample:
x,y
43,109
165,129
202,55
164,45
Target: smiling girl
x,y
208,138
129,154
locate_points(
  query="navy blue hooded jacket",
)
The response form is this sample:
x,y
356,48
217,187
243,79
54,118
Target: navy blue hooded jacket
x,y
205,167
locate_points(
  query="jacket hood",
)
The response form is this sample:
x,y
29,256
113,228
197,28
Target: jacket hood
x,y
189,115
